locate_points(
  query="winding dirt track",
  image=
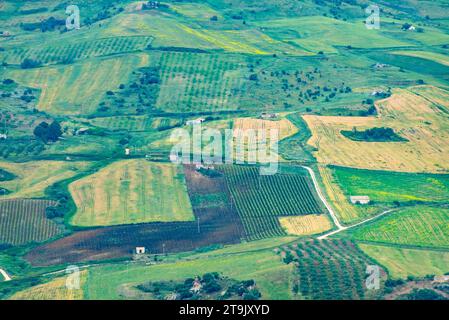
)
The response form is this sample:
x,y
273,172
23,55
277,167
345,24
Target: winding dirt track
x,y
337,223
5,275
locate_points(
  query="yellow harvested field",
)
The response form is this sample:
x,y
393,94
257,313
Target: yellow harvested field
x,y
435,95
32,178
243,126
284,126
53,290
306,225
415,118
131,191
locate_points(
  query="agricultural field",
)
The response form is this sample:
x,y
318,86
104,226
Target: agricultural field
x,y
131,191
261,200
437,57
388,187
32,178
310,30
345,210
216,222
404,262
328,269
306,225
273,278
198,81
135,123
78,88
421,226
91,116
417,119
23,221
53,290
64,54
242,127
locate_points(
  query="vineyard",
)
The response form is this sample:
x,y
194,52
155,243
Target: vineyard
x,y
419,226
69,53
261,200
198,82
328,269
24,221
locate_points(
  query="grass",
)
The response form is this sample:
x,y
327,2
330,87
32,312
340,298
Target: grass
x,y
417,226
311,31
384,186
271,275
24,221
433,56
198,82
306,225
78,88
131,191
68,53
403,262
34,177
53,290
346,212
415,118
134,123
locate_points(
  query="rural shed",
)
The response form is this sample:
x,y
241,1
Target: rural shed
x,y
359,199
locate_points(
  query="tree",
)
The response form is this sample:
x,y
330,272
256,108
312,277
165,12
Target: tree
x,y
48,133
29,63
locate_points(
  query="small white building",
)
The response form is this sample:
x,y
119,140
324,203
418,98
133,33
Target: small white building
x,y
195,121
3,136
127,151
441,279
412,28
266,115
140,250
205,167
359,199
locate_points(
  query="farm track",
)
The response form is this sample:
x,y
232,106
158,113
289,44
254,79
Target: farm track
x,y
340,228
5,275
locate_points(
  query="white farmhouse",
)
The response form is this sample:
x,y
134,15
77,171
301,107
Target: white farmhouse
x,y
359,199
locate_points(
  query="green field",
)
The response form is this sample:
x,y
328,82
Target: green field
x,y
131,191
402,262
78,88
33,178
135,123
387,187
196,82
311,31
416,226
273,278
64,54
